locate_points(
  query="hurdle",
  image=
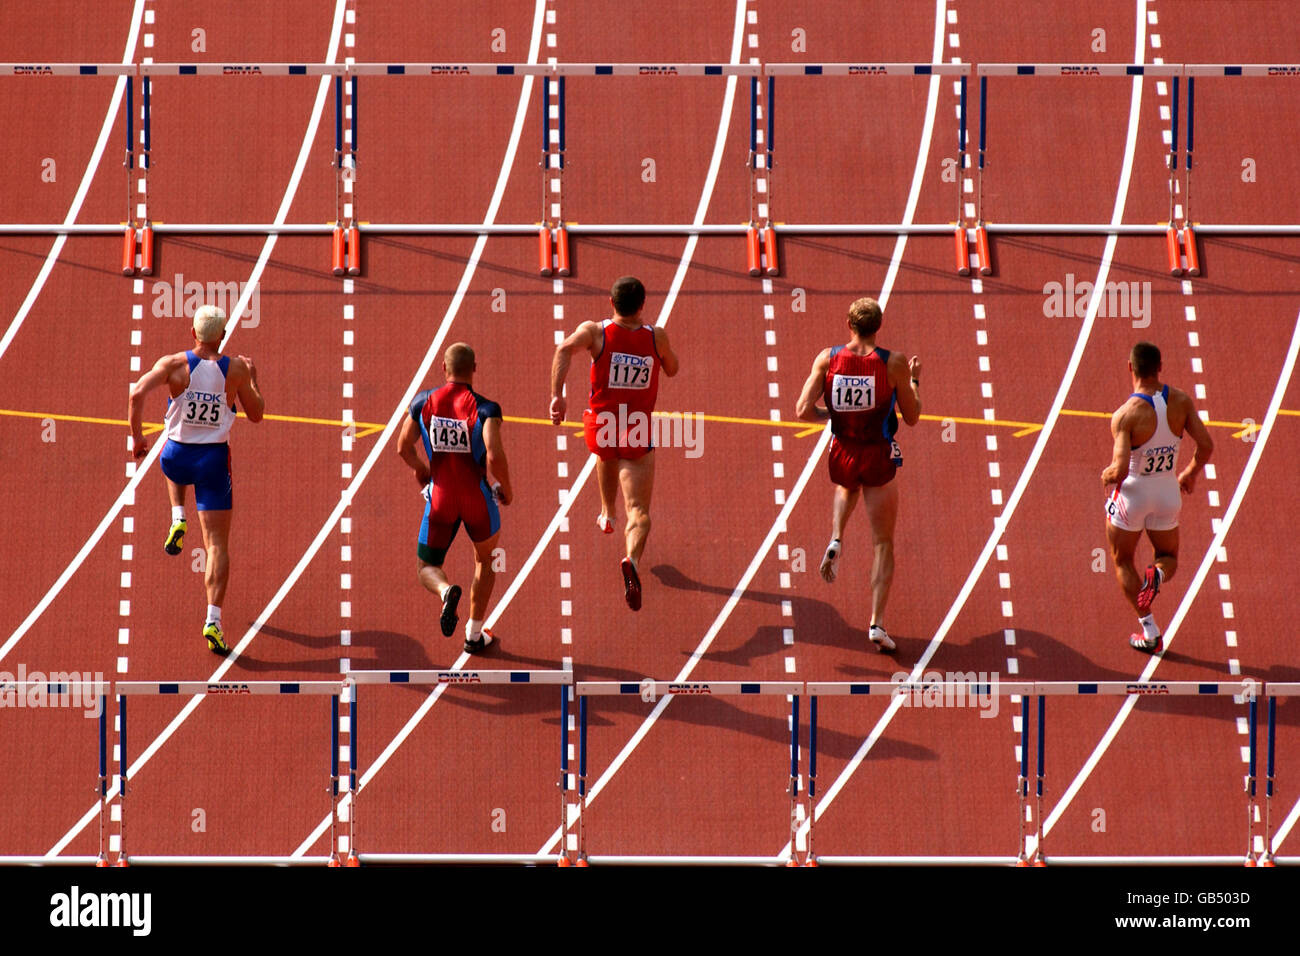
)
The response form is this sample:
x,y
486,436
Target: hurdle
x,y
65,695
913,693
440,680
1074,70
125,689
865,71
662,693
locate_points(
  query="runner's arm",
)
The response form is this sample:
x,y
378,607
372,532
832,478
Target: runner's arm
x,y
498,468
1204,446
161,371
250,396
807,408
407,440
667,357
905,377
582,338
1117,470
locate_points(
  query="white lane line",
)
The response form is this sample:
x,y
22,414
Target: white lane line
x,y
129,493
1221,532
1000,524
568,499
104,131
823,441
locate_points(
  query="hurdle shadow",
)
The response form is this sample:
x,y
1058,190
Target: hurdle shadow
x,y
330,652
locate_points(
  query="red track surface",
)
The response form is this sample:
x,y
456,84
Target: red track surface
x,y
709,777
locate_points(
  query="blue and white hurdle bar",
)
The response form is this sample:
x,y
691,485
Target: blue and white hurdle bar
x,y
440,680
71,694
125,689
650,690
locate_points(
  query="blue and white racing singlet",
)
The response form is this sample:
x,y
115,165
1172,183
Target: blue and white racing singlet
x,y
201,415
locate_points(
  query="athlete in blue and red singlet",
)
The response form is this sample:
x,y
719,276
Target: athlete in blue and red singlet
x,y
203,386
626,356
465,477
865,388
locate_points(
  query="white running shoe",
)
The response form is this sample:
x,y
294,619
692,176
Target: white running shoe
x,y
880,637
604,524
829,560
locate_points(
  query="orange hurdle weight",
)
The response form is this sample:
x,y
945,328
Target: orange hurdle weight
x,y
146,251
128,252
752,252
544,251
561,250
336,252
1171,248
1189,250
354,251
982,251
769,250
963,251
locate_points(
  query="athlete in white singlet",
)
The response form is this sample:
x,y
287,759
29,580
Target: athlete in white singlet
x,y
203,386
1146,495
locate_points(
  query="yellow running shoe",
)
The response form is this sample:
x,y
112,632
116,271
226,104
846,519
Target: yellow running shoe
x,y
212,631
174,537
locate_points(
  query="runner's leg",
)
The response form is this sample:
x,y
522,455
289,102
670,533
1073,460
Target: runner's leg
x,y
637,476
882,505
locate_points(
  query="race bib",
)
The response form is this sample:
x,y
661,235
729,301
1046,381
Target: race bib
x,y
201,409
630,371
449,434
853,393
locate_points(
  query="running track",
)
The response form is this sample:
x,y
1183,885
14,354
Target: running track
x,y
707,777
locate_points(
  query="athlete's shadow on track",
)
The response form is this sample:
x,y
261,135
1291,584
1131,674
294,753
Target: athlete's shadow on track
x,y
819,623
366,647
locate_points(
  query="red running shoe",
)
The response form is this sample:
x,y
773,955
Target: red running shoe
x,y
1147,593
631,584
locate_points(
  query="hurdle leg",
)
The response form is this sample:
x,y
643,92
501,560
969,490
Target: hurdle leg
x,y
1039,858
1250,788
582,782
353,859
1173,252
1267,858
1022,781
794,781
564,775
121,781
810,858
102,859
334,781
1189,250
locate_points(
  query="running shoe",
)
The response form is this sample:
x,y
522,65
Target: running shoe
x,y
631,584
1147,593
480,643
829,560
605,524
216,644
1140,643
449,619
174,537
880,637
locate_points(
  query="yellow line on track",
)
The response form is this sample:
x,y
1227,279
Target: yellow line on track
x,y
801,429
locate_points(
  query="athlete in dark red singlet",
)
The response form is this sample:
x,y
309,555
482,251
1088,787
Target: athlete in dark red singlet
x,y
626,356
865,388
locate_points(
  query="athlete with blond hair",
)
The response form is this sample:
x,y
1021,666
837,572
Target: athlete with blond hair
x,y
203,386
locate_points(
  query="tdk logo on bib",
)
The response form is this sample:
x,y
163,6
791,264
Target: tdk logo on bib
x,y
853,381
639,361
204,396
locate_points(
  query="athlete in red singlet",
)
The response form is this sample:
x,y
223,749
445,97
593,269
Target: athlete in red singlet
x,y
626,356
865,387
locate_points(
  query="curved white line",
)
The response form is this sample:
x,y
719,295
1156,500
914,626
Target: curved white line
x,y
891,275
1000,525
128,494
104,131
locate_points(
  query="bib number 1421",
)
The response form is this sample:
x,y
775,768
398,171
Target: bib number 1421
x,y
853,393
